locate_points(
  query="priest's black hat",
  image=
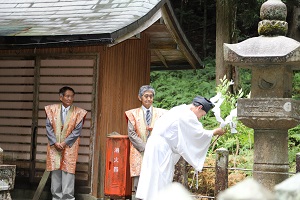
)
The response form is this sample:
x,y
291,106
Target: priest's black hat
x,y
206,104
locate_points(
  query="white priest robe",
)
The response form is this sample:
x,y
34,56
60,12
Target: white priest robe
x,y
177,133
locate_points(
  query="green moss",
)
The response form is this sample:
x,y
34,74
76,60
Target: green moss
x,y
272,29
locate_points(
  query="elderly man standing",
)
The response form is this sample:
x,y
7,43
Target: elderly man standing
x,y
63,125
177,133
140,122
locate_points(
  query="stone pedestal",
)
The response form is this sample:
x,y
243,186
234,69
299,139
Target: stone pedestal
x,y
7,180
270,118
270,167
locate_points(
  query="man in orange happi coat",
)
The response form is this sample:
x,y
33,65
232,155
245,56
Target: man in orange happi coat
x,y
63,125
140,122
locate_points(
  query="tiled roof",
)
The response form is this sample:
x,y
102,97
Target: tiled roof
x,y
69,17
57,23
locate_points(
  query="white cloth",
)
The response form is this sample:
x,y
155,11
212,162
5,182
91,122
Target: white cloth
x,y
174,191
217,101
177,133
64,113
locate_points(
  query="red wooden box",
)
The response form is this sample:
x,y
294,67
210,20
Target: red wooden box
x,y
117,173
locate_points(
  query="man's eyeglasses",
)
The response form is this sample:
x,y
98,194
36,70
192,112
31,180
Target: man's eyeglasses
x,y
148,96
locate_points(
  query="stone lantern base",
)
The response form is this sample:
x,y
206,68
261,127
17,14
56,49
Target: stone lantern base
x,y
7,180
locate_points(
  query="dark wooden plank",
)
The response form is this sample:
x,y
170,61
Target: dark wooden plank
x,y
41,186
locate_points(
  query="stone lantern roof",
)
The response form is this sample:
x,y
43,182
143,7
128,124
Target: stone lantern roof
x,y
263,49
271,46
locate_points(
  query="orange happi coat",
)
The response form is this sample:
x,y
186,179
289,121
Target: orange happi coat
x,y
137,119
66,159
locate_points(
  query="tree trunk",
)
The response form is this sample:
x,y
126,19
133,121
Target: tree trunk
x,y
225,15
204,40
295,24
181,13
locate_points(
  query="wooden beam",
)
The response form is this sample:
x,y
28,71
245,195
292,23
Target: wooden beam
x,y
179,36
41,186
162,59
157,28
162,43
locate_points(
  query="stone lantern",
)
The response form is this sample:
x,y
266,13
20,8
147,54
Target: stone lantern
x,y
270,111
7,178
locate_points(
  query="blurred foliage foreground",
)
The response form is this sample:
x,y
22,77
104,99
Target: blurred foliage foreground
x,y
180,87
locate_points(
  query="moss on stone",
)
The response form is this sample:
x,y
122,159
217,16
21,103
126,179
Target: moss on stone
x,y
272,28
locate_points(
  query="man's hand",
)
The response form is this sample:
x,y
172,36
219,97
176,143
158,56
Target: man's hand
x,y
218,131
63,144
59,146
149,128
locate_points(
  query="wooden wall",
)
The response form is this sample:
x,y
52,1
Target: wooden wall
x,y
121,70
118,86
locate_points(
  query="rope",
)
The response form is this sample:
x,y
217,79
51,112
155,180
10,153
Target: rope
x,y
214,140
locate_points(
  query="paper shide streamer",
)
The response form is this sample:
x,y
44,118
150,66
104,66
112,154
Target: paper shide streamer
x,y
229,120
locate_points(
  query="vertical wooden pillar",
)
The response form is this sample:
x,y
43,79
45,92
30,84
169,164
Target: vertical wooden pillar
x,y
181,172
221,181
297,162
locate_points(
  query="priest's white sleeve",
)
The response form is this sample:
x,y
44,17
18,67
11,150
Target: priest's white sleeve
x,y
193,140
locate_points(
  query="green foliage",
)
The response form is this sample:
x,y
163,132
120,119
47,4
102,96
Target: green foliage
x,y
181,86
245,80
296,85
294,147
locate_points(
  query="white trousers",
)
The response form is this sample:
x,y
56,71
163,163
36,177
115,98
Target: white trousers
x,y
62,185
